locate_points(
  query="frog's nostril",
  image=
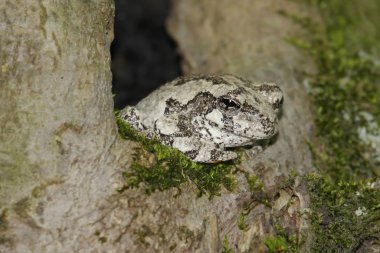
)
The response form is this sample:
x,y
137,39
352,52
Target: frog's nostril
x,y
278,103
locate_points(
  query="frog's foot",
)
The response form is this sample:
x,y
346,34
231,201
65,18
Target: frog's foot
x,y
202,151
130,115
213,156
216,156
255,150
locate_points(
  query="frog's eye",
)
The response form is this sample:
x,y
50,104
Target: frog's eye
x,y
229,104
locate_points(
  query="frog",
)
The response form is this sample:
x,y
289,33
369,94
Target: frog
x,y
206,117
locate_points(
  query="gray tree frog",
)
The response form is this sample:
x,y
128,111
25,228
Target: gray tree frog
x,y
202,116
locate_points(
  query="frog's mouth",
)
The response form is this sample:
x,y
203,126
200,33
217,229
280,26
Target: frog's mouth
x,y
238,140
253,132
243,129
249,144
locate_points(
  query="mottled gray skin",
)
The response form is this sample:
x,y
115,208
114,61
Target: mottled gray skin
x,y
203,115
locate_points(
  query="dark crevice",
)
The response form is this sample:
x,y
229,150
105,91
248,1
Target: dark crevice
x,y
143,54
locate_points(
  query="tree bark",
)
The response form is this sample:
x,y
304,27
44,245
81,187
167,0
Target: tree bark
x,y
61,159
248,39
57,124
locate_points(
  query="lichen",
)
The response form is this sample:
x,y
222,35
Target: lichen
x,y
170,168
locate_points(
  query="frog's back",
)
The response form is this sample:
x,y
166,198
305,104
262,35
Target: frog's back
x,y
181,91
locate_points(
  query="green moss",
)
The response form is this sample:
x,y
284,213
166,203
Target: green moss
x,y
258,192
360,20
226,246
258,195
276,244
282,242
242,225
345,213
347,84
171,168
345,205
254,183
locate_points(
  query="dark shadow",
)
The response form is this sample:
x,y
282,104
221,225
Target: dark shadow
x,y
143,55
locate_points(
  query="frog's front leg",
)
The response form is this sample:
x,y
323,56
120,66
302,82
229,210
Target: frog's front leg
x,y
203,151
131,115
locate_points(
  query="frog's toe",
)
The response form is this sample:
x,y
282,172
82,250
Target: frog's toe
x,y
221,156
131,115
214,156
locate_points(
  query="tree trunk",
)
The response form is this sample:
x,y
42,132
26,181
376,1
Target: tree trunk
x,y
61,159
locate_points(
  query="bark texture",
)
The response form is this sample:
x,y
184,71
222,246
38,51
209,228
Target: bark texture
x,y
57,124
61,158
249,39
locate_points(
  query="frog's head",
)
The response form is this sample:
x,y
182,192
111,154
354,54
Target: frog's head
x,y
231,105
271,93
248,112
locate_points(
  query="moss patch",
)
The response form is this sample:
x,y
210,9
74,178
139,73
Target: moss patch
x,y
345,201
345,89
282,242
171,168
226,246
258,195
3,220
359,19
241,222
346,214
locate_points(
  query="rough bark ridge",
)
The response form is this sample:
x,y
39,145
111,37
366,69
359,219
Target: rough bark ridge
x,y
61,158
57,122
